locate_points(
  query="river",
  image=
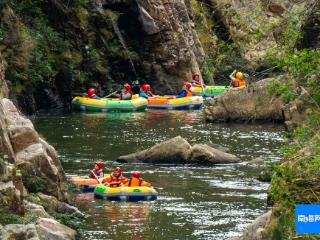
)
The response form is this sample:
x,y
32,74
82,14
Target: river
x,y
194,202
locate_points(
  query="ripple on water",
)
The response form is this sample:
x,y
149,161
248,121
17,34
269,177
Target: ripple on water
x,y
212,202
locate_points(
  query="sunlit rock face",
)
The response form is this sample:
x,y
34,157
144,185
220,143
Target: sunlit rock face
x,y
256,26
166,32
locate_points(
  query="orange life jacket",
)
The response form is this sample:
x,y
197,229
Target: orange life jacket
x,y
137,182
240,83
115,182
189,93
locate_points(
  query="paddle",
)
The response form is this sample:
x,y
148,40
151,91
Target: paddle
x,y
111,94
96,177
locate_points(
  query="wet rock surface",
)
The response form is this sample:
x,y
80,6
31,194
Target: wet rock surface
x,y
178,151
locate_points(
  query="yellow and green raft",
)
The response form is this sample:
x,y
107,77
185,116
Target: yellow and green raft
x,y
132,194
109,104
209,91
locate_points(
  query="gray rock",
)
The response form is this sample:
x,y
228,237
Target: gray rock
x,y
204,154
35,209
256,229
49,229
178,151
254,103
147,22
51,203
19,231
38,160
174,150
219,147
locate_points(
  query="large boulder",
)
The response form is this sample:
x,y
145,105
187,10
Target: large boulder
x,y
48,228
178,151
19,231
175,150
41,168
255,103
52,204
204,154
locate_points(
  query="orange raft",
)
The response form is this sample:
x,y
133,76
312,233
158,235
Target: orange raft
x,y
87,184
169,102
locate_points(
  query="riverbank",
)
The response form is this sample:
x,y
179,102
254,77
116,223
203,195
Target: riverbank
x,y
296,178
33,188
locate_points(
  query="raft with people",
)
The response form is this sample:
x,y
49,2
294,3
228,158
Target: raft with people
x,y
125,101
109,104
120,188
132,194
86,183
169,102
183,101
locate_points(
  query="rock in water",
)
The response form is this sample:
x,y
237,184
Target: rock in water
x,y
178,151
204,154
175,150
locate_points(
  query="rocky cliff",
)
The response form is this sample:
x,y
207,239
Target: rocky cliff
x,y
68,47
55,49
29,166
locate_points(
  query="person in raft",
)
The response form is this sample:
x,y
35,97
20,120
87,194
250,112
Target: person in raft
x,y
145,91
126,93
91,93
196,80
136,181
116,179
186,91
97,170
237,79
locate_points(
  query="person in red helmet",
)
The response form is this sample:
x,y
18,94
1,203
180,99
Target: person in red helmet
x,y
137,181
97,170
116,179
146,91
91,93
186,91
126,93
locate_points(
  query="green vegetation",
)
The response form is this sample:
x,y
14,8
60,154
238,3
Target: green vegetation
x,y
296,180
221,57
37,51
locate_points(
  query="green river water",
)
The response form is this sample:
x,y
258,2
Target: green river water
x,y
194,202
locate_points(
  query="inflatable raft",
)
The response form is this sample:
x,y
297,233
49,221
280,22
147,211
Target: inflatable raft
x,y
132,194
87,184
168,102
109,104
209,91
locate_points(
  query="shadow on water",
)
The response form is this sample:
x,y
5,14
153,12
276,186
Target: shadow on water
x,y
194,202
